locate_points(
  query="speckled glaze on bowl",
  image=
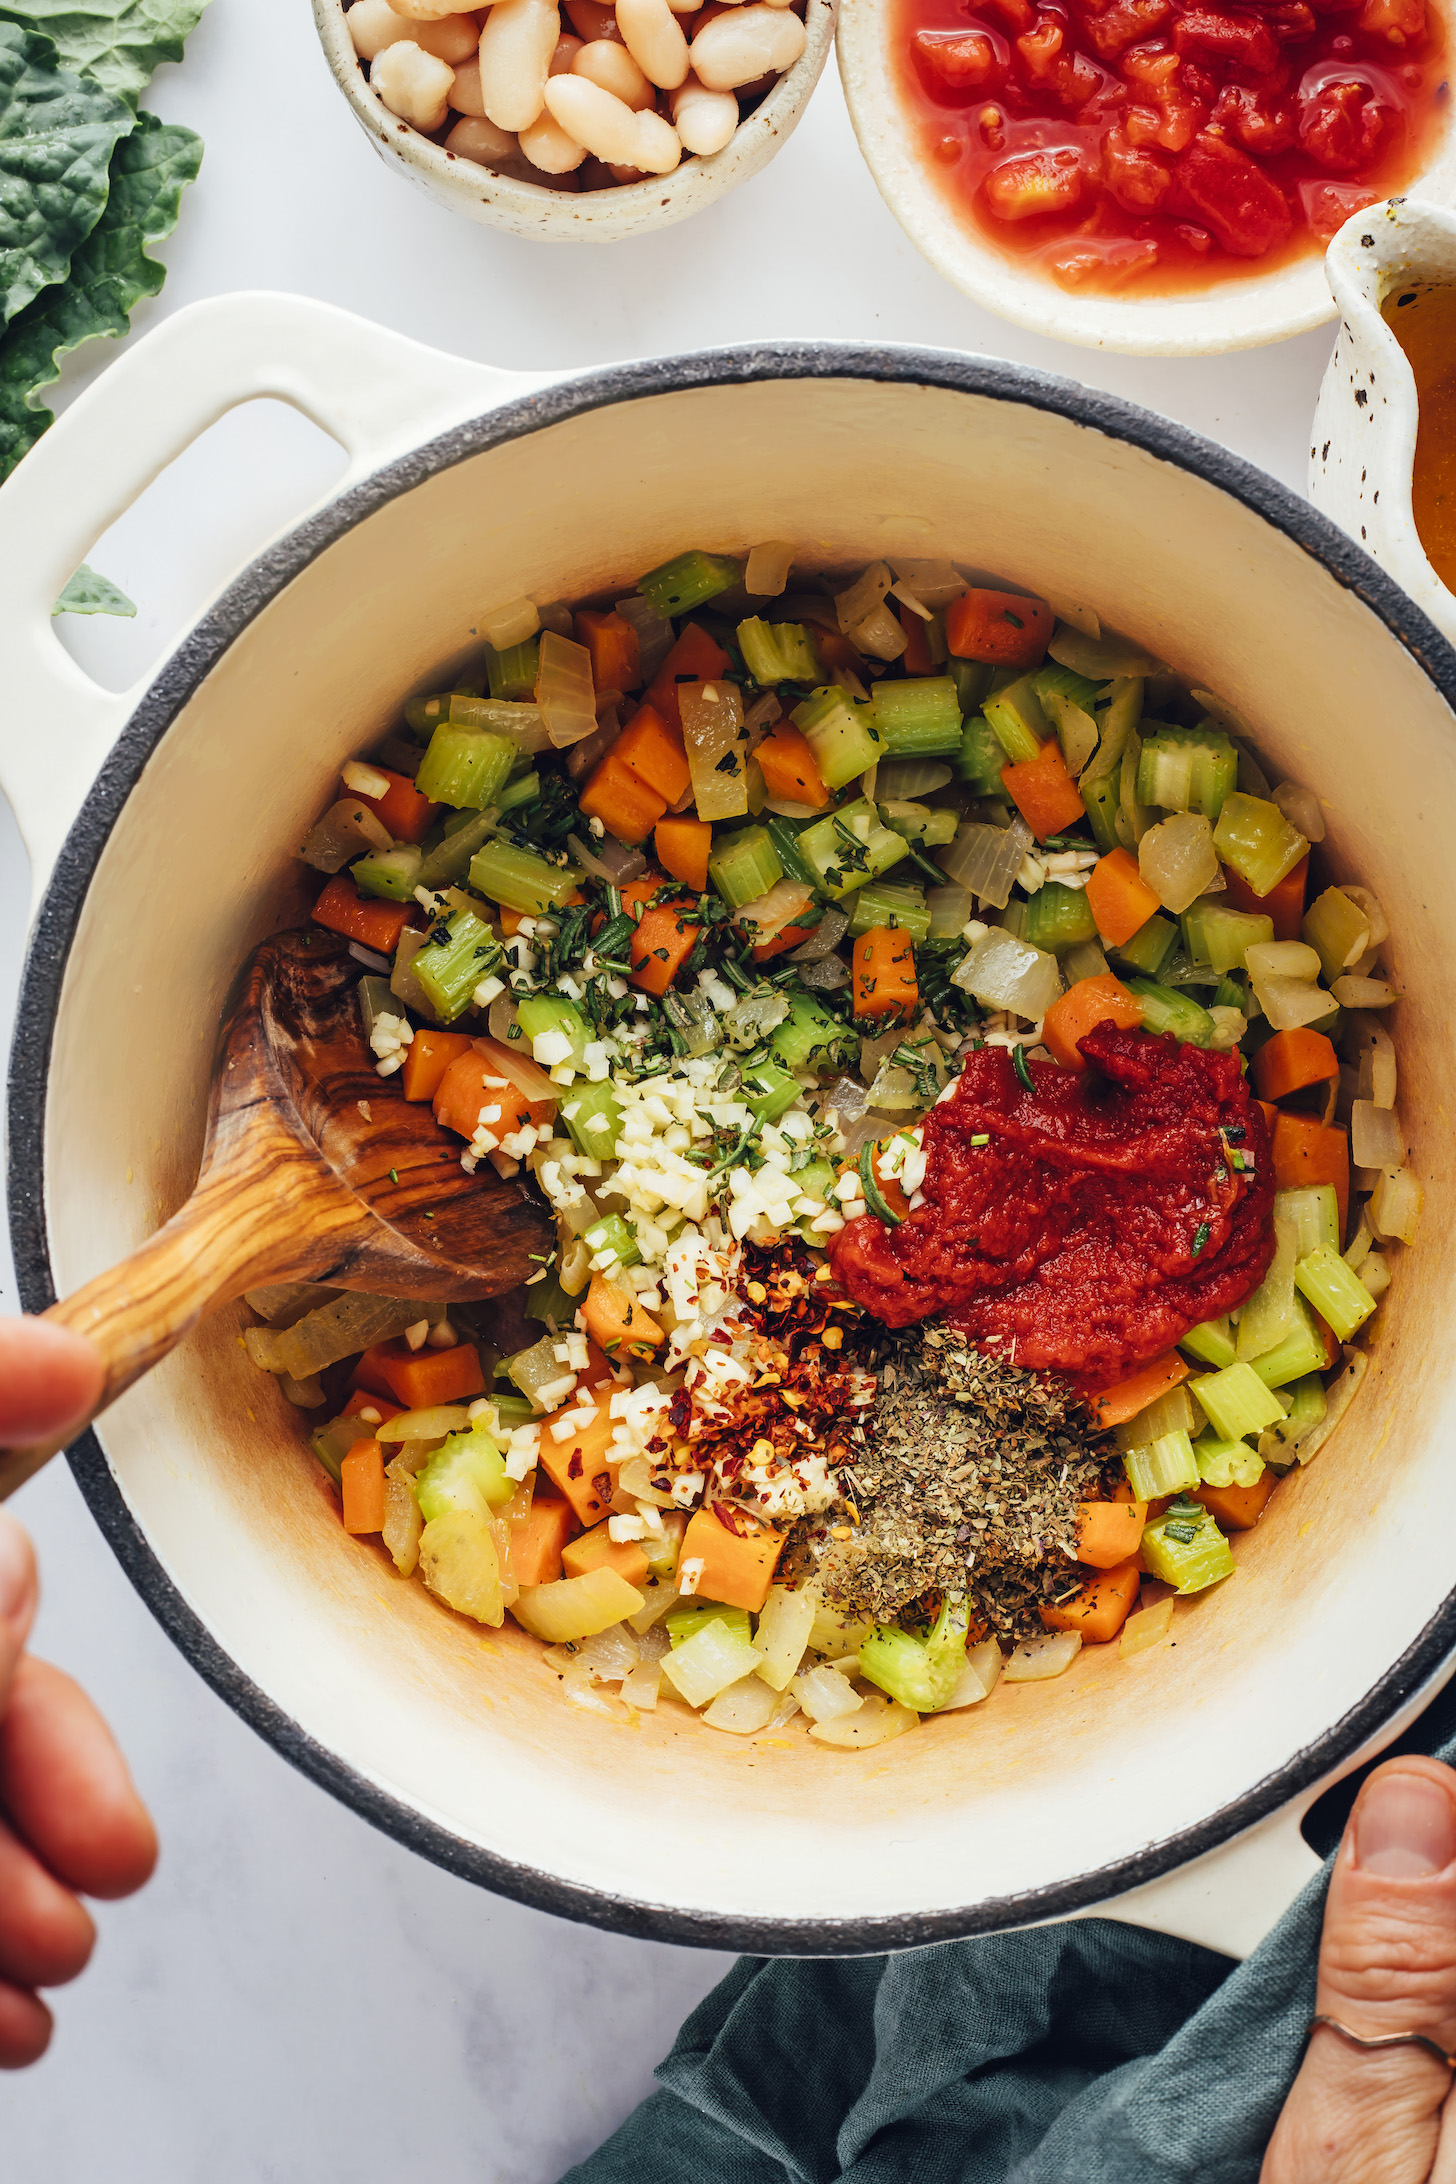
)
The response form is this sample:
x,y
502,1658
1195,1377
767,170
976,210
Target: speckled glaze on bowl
x,y
561,216
1363,446
1228,314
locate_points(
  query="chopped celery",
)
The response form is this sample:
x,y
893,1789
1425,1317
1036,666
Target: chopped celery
x,y
929,828
1339,1296
882,903
769,1091
841,732
1058,918
1299,1353
466,767
1064,682
687,581
919,716
393,873
814,1181
332,1443
447,864
522,725
972,679
468,1472
541,1014
1255,838
1218,936
549,1301
1164,1466
685,1622
810,1038
611,1244
452,964
1269,1316
784,834
524,789
1186,769
1102,795
981,757
593,1115
376,999
1100,783
1149,948
1016,715
1307,1406
1237,1400
1211,1343
1338,931
920,1673
513,672
775,652
424,715
849,848
1231,995
1314,1210
1185,1548
1222,1462
744,865
1165,1010
520,879
1171,1412
513,1410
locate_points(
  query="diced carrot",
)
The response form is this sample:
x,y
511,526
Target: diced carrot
x,y
580,1467
654,750
368,1374
427,1058
789,768
537,1540
616,1321
408,815
1109,1532
1291,1060
361,1476
419,1379
661,946
1284,903
616,657
1119,898
891,1189
1306,1152
623,802
600,1371
526,1076
1003,628
383,1406
1085,1005
736,1567
1101,1608
1270,1114
695,658
683,846
1044,792
884,974
915,659
596,1550
1237,1508
373,923
1116,1405
468,1090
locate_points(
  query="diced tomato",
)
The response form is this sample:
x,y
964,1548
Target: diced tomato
x,y
1246,209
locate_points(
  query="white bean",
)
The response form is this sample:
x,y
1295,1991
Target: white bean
x,y
653,36
757,40
609,129
562,59
414,85
455,38
516,46
478,139
547,146
465,97
610,65
705,120
426,11
373,25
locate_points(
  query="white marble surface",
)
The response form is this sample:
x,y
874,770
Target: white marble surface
x,y
295,1998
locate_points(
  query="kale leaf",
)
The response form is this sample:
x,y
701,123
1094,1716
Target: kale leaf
x,y
118,42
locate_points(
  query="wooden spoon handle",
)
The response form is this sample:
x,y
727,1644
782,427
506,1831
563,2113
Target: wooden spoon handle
x,y
228,1237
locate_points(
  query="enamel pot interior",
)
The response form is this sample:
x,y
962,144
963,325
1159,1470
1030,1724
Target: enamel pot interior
x,y
455,1738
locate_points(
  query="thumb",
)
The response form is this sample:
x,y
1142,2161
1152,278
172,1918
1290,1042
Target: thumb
x,y
17,1599
1387,1965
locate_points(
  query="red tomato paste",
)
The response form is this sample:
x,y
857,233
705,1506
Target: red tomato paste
x,y
1085,1225
1157,143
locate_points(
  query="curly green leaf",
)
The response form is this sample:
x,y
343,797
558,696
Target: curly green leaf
x,y
120,42
89,592
57,135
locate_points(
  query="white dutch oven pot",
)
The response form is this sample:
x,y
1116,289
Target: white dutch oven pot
x,y
1188,1767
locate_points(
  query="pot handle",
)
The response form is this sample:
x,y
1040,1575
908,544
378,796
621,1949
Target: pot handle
x,y
375,392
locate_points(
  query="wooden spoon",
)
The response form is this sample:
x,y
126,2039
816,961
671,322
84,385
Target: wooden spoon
x,y
315,1169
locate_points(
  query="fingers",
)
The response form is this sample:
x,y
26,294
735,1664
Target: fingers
x,y
66,1788
1387,1964
46,1936
49,1379
18,1595
25,2028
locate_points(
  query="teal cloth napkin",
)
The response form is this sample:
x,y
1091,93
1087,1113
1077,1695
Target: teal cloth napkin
x,y
1085,2053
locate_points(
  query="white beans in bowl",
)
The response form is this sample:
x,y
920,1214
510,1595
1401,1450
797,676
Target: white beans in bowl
x,y
578,95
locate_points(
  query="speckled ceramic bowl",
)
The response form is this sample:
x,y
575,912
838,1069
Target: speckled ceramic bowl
x,y
561,216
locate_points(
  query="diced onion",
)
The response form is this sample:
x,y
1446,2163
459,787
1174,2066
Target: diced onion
x,y
826,936
514,624
610,1654
1375,1274
986,859
403,1525
782,904
1338,1397
827,975
347,830
753,1018
1228,716
576,1607
767,570
848,1098
1395,1205
1178,860
708,1662
642,1686
875,1723
950,909
743,1709
1086,960
1281,959
425,1425
1363,993
1099,658
934,582
783,1633
1003,972
879,634
611,860
1375,916
899,778
502,1017
1037,1659
1301,807
1148,1627
460,1564
564,690
1376,1138
1377,1078
1085,619
1291,1002
863,596
826,1694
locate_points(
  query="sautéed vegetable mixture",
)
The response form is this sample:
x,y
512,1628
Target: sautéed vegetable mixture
x,y
967,1111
